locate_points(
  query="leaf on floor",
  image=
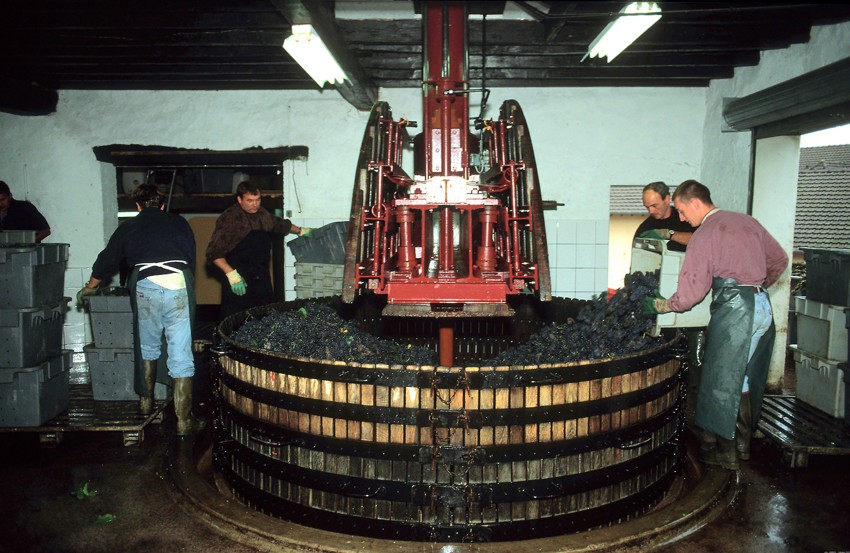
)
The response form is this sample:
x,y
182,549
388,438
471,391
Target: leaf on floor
x,y
103,519
84,492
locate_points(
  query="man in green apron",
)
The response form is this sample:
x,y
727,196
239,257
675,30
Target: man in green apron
x,y
160,248
240,246
735,257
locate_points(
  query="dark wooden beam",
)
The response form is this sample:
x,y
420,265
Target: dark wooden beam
x,y
358,89
20,97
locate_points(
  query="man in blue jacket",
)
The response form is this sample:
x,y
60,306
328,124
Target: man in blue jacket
x,y
160,249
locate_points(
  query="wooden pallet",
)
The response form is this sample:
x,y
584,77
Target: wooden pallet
x,y
801,429
86,414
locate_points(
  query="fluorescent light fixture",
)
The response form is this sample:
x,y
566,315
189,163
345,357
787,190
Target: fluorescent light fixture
x,y
127,214
305,46
636,18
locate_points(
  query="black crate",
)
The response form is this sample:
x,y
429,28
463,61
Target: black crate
x,y
31,335
828,276
326,246
32,396
32,275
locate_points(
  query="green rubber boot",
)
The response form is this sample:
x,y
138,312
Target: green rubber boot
x,y
146,402
186,422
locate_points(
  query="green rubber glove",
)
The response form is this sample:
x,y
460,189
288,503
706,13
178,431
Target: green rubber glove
x,y
660,234
237,283
656,304
306,232
85,291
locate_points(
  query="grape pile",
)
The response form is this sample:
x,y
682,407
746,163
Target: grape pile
x,y
316,331
603,329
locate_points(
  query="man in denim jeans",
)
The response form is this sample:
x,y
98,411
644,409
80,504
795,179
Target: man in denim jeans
x,y
160,248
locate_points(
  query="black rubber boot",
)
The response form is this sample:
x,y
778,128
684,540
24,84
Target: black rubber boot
x,y
724,454
146,402
186,422
744,428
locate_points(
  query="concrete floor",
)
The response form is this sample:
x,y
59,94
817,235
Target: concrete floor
x,y
777,509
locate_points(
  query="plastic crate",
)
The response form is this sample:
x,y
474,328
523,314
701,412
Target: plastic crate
x,y
34,395
821,329
112,374
17,237
32,275
652,255
326,246
828,276
820,382
111,318
31,335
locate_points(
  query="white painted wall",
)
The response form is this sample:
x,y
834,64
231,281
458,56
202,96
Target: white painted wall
x,y
727,157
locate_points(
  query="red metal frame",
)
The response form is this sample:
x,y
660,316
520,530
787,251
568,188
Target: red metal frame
x,y
490,258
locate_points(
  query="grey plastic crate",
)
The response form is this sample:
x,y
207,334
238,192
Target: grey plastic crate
x,y
17,237
31,335
111,318
32,275
326,246
32,396
111,372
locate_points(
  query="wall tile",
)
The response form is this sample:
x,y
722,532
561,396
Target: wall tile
x,y
567,232
585,280
566,255
602,231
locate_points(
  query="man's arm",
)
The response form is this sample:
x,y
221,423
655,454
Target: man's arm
x,y
222,264
681,237
42,234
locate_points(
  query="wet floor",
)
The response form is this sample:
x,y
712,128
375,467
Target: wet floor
x,y
777,509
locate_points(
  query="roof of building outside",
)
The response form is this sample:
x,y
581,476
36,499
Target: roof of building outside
x,y
823,198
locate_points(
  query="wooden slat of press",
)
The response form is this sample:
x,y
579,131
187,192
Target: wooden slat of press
x,y
486,437
519,469
502,437
382,435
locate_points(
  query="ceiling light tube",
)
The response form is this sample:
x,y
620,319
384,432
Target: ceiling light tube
x,y
307,48
634,20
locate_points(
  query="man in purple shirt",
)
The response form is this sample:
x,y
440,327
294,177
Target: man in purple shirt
x,y
735,257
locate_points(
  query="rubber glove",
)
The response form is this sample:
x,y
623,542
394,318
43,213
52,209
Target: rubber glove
x,y
237,284
306,232
85,291
655,304
658,234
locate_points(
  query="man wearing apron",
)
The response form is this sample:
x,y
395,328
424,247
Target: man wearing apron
x,y
240,247
160,248
735,257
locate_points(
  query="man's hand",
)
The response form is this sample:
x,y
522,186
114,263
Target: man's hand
x,y
237,284
655,304
306,232
85,291
658,234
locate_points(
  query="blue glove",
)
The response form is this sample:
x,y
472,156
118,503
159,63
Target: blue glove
x,y
237,284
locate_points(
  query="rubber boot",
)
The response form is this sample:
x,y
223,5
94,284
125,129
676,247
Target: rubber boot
x,y
146,403
186,422
744,428
724,454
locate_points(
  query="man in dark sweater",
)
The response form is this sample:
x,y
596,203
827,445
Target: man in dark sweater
x,y
663,222
160,248
21,215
